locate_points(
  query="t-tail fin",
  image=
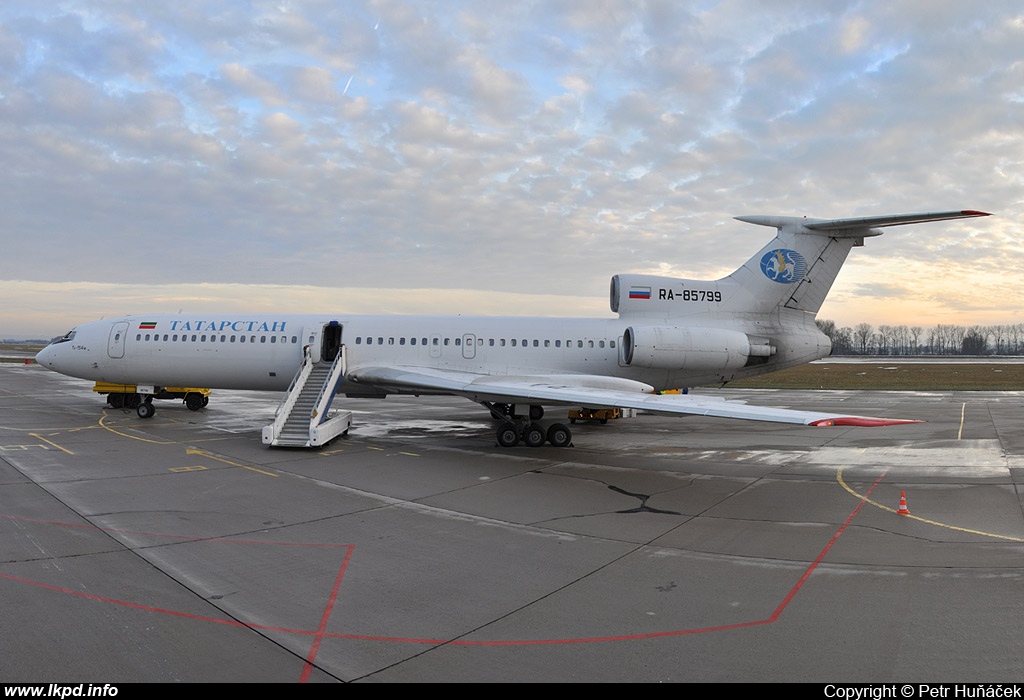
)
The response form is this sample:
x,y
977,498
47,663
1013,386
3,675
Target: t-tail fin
x,y
796,269
793,271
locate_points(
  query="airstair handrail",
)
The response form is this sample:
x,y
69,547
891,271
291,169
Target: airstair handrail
x,y
326,395
294,390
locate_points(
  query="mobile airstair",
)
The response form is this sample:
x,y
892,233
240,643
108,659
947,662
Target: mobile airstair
x,y
304,418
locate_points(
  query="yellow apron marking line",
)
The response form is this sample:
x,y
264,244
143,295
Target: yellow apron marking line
x,y
53,430
103,425
227,461
197,468
172,442
52,444
839,478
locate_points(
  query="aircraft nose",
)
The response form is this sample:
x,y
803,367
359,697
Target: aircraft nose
x,y
45,357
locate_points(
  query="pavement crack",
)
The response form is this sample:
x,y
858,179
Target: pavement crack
x,y
643,507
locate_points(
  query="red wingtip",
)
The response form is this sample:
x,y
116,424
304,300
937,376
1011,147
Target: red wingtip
x,y
861,422
972,212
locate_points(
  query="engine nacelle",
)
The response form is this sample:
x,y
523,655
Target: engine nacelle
x,y
673,348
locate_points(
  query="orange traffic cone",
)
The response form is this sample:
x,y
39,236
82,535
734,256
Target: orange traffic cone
x,y
903,510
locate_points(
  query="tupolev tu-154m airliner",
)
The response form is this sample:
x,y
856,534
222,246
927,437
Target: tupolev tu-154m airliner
x,y
669,333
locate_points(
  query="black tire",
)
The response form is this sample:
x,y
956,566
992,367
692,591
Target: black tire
x,y
559,435
536,412
115,400
534,436
194,401
508,435
145,410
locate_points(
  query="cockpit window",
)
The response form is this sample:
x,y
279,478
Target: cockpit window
x,y
70,335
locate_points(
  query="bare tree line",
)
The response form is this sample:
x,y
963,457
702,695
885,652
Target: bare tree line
x,y
865,339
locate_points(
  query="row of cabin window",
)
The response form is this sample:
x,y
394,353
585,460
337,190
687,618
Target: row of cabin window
x,y
500,342
202,338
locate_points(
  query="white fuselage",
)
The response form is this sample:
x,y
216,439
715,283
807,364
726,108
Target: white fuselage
x,y
263,352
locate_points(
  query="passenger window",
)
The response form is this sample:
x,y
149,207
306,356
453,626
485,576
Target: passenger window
x,y
273,339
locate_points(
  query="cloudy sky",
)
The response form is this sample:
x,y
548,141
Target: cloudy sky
x,y
508,157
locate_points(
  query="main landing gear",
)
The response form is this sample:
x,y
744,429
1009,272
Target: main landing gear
x,y
514,429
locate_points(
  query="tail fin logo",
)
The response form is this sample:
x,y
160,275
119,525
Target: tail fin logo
x,y
783,265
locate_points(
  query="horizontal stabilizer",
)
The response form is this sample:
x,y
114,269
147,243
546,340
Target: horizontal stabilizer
x,y
857,224
891,220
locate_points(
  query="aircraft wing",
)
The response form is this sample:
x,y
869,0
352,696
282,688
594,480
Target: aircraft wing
x,y
591,391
